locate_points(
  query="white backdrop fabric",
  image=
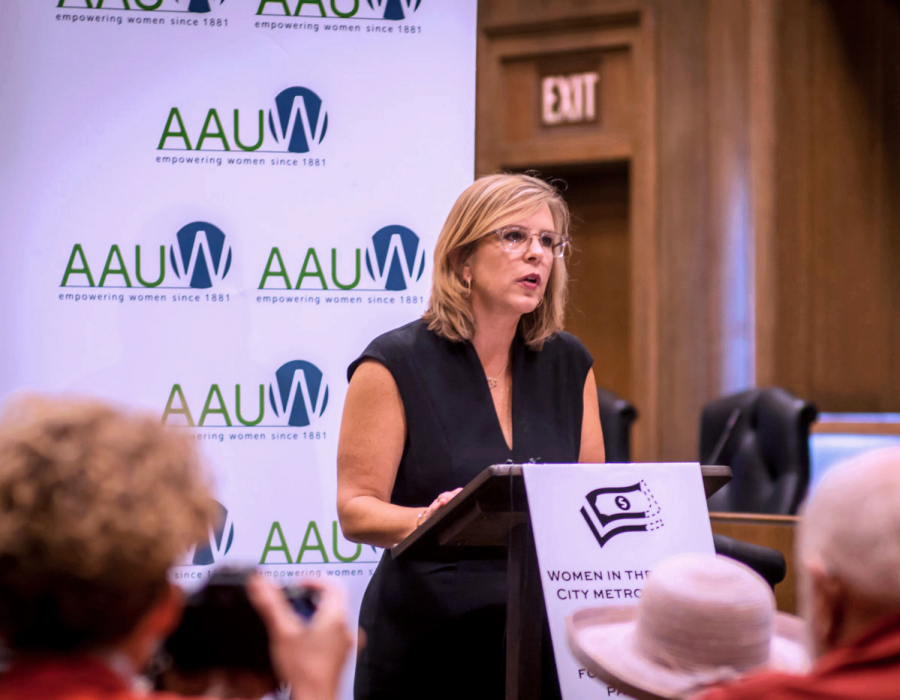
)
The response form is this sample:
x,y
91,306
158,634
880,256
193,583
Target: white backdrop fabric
x,y
209,208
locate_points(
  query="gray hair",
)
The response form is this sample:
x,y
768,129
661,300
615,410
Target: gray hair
x,y
851,527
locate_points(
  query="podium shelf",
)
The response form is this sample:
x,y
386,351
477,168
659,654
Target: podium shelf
x,y
478,522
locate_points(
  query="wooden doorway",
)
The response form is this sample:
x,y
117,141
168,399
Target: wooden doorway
x,y
600,298
608,163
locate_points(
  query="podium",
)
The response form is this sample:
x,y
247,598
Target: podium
x,y
489,519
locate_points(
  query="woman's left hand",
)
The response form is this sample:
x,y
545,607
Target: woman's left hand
x,y
438,503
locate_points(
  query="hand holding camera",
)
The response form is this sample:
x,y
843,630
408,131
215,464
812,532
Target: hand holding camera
x,y
307,655
243,635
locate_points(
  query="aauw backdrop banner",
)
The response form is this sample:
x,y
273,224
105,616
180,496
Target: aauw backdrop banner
x,y
210,207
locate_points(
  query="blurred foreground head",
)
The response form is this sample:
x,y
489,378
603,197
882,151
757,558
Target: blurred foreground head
x,y
96,504
849,550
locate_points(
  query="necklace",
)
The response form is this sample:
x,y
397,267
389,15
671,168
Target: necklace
x,y
494,381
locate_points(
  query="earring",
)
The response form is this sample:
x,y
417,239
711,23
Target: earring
x,y
468,284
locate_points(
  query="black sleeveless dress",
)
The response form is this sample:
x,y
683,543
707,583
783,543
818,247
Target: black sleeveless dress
x,y
436,630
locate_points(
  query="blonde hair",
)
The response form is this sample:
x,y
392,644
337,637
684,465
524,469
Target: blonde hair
x,y
484,206
96,505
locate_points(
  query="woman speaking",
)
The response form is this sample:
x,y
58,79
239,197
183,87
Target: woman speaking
x,y
486,376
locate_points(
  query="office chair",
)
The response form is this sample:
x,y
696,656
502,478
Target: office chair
x,y
763,435
616,417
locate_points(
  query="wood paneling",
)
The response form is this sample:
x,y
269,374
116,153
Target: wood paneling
x,y
677,76
889,201
705,237
762,176
775,531
832,307
610,166
848,318
498,16
786,299
762,141
855,427
512,63
730,244
644,266
683,225
599,310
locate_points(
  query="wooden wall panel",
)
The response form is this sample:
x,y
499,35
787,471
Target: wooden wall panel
x,y
849,317
510,132
889,198
516,104
682,71
644,245
764,217
503,14
599,310
611,167
526,141
785,297
683,230
832,317
762,71
705,235
775,531
730,243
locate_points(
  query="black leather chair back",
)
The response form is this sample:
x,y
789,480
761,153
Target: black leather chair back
x,y
616,417
767,562
763,435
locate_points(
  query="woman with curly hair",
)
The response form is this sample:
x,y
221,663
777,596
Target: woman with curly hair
x,y
96,505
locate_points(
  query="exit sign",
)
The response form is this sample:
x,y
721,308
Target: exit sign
x,y
569,99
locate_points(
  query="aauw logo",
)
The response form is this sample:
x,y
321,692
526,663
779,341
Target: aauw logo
x,y
200,257
221,537
343,9
298,123
394,9
298,120
394,258
299,394
201,5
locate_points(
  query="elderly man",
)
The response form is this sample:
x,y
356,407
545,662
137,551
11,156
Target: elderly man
x,y
848,552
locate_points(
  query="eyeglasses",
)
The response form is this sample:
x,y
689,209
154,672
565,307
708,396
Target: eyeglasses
x,y
515,239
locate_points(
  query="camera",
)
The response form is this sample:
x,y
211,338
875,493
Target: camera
x,y
220,628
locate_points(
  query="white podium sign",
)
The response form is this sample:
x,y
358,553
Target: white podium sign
x,y
599,529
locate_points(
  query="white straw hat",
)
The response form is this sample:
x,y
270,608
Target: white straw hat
x,y
702,619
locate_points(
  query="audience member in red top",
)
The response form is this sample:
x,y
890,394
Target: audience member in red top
x,y
848,554
96,505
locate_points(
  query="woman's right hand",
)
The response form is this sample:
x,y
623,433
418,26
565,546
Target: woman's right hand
x,y
438,503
